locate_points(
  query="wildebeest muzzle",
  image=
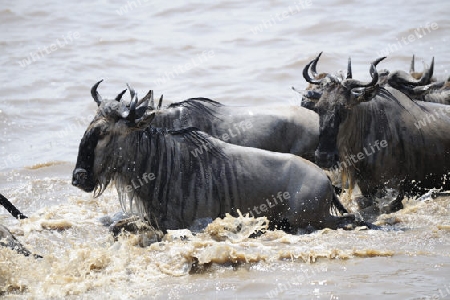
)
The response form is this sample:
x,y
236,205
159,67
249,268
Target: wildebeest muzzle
x,y
80,179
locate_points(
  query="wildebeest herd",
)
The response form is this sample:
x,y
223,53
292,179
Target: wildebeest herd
x,y
354,115
206,159
197,175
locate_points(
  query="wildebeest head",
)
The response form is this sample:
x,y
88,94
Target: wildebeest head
x,y
312,93
115,119
339,95
405,81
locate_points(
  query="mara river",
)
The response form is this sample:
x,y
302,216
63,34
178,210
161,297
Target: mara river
x,y
235,52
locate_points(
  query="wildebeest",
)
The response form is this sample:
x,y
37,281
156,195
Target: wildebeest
x,y
155,172
357,117
312,92
438,92
287,129
423,88
417,85
406,81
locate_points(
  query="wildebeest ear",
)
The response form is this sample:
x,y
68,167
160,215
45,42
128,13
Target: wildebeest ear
x,y
363,94
145,120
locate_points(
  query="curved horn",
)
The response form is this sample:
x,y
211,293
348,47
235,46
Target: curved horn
x,y
132,92
353,83
314,64
425,79
146,99
95,94
375,63
306,71
119,97
143,105
349,68
402,79
427,74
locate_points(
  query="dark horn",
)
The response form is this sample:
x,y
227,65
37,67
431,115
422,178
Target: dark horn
x,y
132,115
146,99
353,83
427,74
399,79
95,94
411,68
160,102
119,97
152,101
375,63
314,64
306,71
349,68
425,79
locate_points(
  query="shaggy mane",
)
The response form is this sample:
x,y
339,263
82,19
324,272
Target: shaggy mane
x,y
161,152
378,118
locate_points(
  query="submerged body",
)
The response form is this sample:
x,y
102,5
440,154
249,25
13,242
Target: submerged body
x,y
223,179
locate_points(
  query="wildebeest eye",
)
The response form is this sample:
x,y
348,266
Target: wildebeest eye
x,y
357,92
364,94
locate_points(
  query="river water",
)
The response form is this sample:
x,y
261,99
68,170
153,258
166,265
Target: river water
x,y
238,53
